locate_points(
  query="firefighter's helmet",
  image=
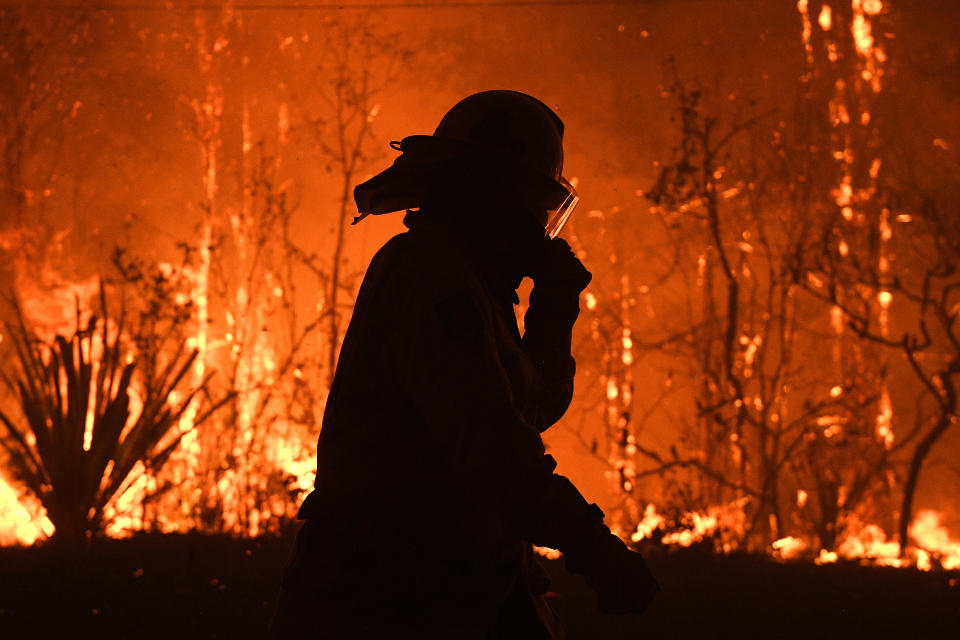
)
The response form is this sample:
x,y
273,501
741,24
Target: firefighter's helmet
x,y
499,129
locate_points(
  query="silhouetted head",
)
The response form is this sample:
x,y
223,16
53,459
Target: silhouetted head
x,y
516,136
493,167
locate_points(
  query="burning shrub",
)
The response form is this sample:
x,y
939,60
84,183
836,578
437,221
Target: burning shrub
x,y
91,414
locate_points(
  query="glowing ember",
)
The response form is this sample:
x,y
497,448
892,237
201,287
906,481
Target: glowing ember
x,y
789,547
803,8
650,523
826,557
885,298
547,552
825,19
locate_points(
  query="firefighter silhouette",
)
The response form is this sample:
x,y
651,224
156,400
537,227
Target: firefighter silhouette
x,y
432,479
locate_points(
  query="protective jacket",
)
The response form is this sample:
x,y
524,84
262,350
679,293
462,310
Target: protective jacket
x,y
432,478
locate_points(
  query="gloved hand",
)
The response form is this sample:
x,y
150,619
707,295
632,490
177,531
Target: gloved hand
x,y
558,269
618,576
562,519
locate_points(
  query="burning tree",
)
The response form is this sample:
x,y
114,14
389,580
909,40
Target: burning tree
x,y
259,455
909,306
97,413
614,346
771,424
263,305
793,425
888,261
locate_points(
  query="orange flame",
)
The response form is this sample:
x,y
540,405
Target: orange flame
x,y
23,520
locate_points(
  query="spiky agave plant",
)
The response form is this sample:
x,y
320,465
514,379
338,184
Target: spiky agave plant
x,y
76,444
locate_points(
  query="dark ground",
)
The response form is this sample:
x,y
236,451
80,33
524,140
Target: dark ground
x,y
198,586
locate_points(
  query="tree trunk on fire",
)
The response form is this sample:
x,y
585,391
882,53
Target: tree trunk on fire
x,y
916,465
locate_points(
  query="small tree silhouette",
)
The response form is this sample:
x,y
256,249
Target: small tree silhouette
x,y
359,64
78,439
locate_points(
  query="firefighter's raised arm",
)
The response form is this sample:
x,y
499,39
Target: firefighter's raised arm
x,y
559,277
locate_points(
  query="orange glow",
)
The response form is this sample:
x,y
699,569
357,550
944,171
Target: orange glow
x,y
547,552
934,541
803,8
869,543
789,548
700,525
725,396
23,520
825,19
826,557
871,54
651,522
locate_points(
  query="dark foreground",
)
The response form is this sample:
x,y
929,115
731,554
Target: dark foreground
x,y
197,586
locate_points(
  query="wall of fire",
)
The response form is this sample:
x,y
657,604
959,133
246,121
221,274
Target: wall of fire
x,y
198,160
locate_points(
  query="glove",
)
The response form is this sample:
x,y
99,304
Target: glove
x,y
558,269
562,519
618,576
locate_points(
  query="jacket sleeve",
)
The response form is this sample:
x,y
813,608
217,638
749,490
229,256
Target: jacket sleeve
x,y
449,370
548,329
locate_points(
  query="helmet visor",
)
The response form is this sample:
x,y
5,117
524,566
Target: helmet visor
x,y
558,216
